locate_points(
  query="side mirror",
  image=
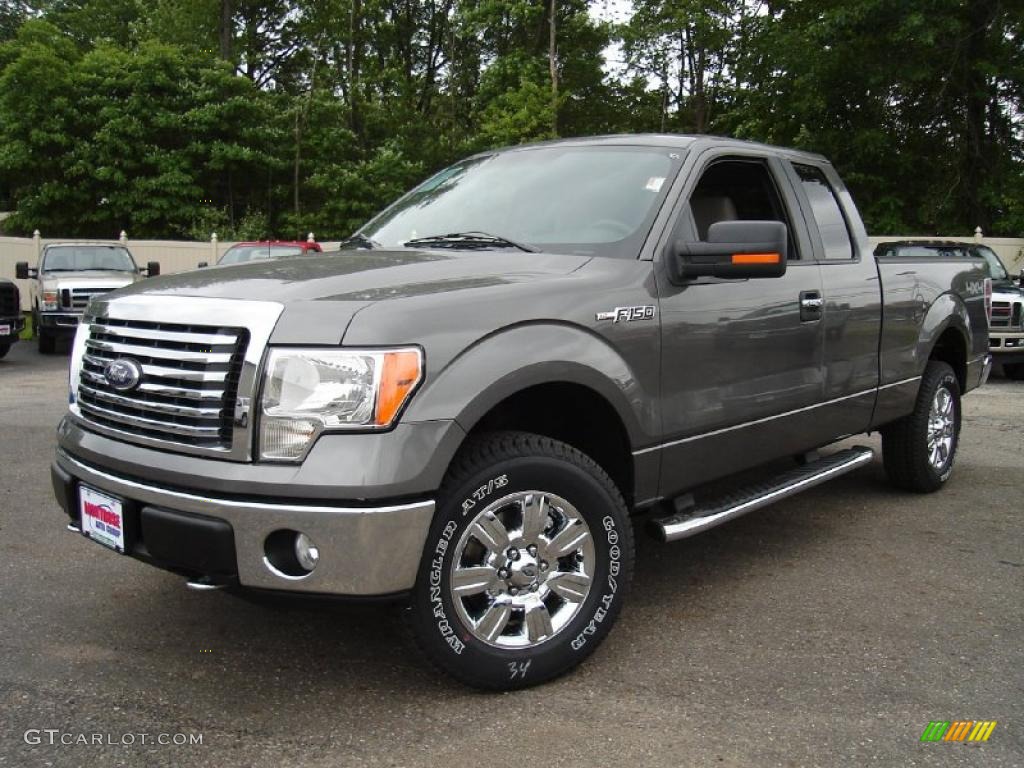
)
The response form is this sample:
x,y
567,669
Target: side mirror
x,y
203,265
153,269
734,250
22,272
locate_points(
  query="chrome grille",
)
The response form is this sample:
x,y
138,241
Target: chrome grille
x,y
189,382
1006,315
79,298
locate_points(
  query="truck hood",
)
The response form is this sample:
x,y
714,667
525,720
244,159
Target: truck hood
x,y
112,279
322,292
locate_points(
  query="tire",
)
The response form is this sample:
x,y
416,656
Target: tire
x,y
1014,371
4,349
911,462
494,635
47,343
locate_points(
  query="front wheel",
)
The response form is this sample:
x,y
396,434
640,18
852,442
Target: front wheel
x,y
919,449
526,565
1014,371
47,342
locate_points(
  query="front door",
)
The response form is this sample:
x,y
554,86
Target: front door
x,y
742,365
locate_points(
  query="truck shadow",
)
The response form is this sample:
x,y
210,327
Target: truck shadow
x,y
332,651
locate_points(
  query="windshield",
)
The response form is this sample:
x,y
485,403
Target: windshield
x,y
239,253
590,200
87,258
996,270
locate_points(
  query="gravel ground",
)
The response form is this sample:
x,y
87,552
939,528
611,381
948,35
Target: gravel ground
x,y
828,630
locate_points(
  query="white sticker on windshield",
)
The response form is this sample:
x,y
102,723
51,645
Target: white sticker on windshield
x,y
654,183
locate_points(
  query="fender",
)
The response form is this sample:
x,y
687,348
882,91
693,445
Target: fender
x,y
947,311
518,357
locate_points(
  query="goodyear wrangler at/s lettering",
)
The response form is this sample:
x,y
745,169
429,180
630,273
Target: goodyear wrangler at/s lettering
x,y
526,565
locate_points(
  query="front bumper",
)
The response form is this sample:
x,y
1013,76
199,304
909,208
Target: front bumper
x,y
1007,347
364,551
60,322
15,325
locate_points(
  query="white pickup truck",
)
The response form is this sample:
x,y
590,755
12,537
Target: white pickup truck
x,y
67,278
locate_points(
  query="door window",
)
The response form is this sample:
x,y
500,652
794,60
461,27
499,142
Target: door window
x,y
738,190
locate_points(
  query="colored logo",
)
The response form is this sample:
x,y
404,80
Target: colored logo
x,y
123,374
958,730
103,514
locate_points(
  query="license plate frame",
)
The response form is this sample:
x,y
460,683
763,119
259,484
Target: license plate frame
x,y
102,518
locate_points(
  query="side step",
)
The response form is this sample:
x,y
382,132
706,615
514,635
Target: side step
x,y
694,520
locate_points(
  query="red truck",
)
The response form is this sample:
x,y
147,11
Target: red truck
x,y
266,249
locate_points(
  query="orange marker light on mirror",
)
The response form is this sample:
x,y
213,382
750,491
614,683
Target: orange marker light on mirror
x,y
400,374
756,258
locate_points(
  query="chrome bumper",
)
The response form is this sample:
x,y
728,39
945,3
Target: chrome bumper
x,y
363,551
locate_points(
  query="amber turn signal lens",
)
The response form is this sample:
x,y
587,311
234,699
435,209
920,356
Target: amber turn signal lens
x,y
399,376
756,258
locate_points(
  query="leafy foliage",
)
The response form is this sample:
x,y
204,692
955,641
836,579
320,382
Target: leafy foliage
x,y
260,118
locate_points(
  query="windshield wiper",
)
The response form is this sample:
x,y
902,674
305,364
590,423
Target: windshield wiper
x,y
361,241
468,240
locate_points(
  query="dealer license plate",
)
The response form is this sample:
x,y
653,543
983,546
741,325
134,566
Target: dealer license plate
x,y
5,330
102,517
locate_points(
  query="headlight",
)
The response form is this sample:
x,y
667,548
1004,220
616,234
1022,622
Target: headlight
x,y
51,301
309,391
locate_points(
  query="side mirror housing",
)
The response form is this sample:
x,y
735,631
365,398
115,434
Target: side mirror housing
x,y
734,250
202,265
22,272
153,269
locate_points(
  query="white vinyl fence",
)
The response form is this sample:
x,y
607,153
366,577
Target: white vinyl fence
x,y
182,255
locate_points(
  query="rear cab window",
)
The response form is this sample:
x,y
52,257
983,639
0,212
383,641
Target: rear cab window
x,y
827,212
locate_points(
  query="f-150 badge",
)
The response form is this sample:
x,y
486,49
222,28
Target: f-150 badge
x,y
627,314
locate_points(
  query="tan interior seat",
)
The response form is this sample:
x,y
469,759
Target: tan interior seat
x,y
708,210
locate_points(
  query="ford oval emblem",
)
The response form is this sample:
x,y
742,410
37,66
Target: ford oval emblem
x,y
123,374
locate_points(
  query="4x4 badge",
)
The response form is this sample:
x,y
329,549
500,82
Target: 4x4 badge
x,y
627,314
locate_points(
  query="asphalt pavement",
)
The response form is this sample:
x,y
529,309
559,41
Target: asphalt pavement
x,y
827,630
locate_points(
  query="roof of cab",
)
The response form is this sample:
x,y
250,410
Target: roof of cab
x,y
678,140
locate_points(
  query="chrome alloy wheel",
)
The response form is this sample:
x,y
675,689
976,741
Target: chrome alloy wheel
x,y
522,569
941,428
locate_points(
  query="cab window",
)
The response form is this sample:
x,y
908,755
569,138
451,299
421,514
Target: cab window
x,y
828,215
738,190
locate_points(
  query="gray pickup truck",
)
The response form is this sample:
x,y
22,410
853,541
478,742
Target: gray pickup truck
x,y
69,275
464,407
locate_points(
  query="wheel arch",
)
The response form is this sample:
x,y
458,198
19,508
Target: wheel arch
x,y
553,379
945,336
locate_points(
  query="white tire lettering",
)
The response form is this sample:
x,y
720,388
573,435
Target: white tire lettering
x,y
614,566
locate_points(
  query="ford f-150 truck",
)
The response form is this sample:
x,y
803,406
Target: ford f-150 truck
x,y
464,409
69,275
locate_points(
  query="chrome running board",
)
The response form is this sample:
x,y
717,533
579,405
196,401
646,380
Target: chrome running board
x,y
694,520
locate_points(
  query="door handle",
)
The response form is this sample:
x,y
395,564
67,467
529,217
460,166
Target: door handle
x,y
811,305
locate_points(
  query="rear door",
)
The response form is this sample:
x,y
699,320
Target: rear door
x,y
742,364
852,312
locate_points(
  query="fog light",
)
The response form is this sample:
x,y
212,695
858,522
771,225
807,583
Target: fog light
x,y
306,552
